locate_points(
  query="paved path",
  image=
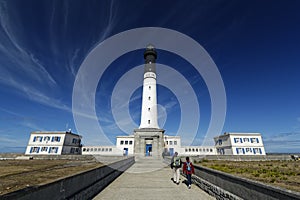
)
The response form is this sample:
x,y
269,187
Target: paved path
x,y
149,179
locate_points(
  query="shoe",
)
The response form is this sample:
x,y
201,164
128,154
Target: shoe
x,y
189,186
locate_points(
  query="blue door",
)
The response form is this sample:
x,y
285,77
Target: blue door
x,y
125,151
148,149
171,150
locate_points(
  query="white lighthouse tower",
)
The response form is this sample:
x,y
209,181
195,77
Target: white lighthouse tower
x,y
149,103
149,138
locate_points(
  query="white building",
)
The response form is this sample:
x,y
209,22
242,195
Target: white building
x,y
173,144
53,143
125,146
239,144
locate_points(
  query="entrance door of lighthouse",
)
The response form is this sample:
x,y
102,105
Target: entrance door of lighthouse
x,y
148,149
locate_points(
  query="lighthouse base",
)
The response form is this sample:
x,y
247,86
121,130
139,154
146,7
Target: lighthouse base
x,y
149,142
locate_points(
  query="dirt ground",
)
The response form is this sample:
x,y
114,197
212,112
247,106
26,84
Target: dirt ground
x,y
18,174
284,174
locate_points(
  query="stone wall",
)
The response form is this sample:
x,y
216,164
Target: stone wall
x,y
248,157
81,186
226,186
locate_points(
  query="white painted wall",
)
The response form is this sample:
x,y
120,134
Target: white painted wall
x,y
149,102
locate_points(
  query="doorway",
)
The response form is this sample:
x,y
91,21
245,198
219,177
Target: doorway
x,y
125,152
148,149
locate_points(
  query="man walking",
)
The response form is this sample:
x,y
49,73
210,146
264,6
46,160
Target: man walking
x,y
176,165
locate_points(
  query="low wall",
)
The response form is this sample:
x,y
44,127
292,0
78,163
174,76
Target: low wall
x,y
81,186
226,186
248,157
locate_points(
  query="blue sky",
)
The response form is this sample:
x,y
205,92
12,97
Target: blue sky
x,y
254,44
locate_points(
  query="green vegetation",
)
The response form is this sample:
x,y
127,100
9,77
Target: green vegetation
x,y
284,174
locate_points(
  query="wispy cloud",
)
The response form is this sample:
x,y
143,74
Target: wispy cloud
x,y
9,144
20,68
23,61
283,142
113,10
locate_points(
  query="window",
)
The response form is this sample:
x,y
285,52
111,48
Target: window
x,y
186,150
236,140
53,149
189,150
72,150
196,150
110,149
95,149
149,87
246,139
47,138
193,150
257,151
248,150
148,121
175,142
84,149
126,142
99,149
44,149
55,139
167,142
34,149
102,149
74,141
149,98
148,109
171,143
240,151
37,139
254,140
200,150
121,142
106,149
211,150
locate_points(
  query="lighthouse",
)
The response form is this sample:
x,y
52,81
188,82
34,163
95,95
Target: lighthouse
x,y
149,98
149,138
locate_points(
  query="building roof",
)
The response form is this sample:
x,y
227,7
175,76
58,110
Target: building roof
x,y
55,132
227,134
126,136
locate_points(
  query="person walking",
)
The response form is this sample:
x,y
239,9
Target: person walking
x,y
188,170
176,166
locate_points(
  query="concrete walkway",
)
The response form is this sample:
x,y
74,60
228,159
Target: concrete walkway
x,y
149,179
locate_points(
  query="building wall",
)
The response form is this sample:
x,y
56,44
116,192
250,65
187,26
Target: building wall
x,y
149,103
199,150
124,142
53,143
172,144
240,144
101,150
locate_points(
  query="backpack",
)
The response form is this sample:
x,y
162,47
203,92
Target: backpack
x,y
188,166
177,162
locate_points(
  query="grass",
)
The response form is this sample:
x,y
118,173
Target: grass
x,y
284,174
18,174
